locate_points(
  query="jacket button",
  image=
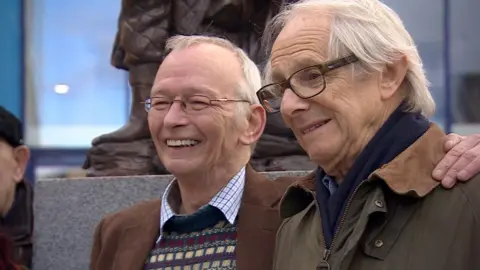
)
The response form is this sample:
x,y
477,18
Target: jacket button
x,y
378,243
379,203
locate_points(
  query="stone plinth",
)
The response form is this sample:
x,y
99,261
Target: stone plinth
x,y
68,210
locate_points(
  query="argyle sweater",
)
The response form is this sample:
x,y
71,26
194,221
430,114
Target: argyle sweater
x,y
203,240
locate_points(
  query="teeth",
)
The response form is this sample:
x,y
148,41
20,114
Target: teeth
x,y
182,142
314,127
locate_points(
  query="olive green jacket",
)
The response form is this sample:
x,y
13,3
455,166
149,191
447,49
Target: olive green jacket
x,y
397,219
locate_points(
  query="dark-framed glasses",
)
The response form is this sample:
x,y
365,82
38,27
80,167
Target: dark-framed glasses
x,y
305,83
191,103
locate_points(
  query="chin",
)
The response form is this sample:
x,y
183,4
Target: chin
x,y
323,153
179,167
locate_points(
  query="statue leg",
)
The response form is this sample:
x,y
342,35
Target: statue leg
x,y
141,78
129,150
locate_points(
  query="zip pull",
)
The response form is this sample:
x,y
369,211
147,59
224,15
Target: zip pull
x,y
324,265
326,254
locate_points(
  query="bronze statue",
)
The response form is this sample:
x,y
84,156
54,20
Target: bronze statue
x,y
143,28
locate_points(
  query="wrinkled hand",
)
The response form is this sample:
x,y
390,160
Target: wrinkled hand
x,y
462,160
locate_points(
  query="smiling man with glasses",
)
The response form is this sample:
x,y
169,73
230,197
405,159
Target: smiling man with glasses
x,y
217,213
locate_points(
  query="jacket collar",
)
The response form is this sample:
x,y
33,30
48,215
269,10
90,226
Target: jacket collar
x,y
257,222
259,190
138,237
409,174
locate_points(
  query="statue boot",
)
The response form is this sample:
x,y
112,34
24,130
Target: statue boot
x,y
141,79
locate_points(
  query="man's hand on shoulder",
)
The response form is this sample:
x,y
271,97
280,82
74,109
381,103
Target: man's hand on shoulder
x,y
461,162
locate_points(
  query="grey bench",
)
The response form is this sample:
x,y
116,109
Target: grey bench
x,y
67,211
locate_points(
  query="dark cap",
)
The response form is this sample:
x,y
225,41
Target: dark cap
x,y
11,129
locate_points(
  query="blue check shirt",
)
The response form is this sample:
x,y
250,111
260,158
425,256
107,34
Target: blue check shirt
x,y
227,200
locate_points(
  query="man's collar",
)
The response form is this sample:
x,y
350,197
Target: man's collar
x,y
227,200
410,173
327,181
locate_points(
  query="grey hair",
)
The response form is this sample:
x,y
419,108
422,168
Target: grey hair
x,y
370,30
248,87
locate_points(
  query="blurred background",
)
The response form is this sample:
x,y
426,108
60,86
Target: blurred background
x,y
56,75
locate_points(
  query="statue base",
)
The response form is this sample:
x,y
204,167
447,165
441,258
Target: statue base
x,y
272,153
283,163
124,159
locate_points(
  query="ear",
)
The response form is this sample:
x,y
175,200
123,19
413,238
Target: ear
x,y
393,77
21,155
255,125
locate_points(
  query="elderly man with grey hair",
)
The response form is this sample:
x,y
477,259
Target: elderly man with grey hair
x,y
348,80
218,213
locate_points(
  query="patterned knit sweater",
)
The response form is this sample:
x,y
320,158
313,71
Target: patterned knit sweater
x,y
204,240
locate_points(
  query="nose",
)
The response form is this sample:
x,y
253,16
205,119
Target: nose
x,y
175,116
292,104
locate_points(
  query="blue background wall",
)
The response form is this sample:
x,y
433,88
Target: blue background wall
x,y
11,56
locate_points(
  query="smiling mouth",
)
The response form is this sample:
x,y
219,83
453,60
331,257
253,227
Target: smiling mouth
x,y
181,143
317,125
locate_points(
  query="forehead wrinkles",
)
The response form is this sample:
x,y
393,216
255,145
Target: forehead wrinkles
x,y
310,43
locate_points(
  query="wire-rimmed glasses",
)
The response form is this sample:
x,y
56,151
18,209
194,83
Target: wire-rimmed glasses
x,y
191,103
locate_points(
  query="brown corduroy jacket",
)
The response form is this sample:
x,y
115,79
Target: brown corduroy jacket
x,y
124,239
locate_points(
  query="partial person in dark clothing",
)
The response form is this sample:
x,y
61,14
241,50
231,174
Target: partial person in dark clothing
x,y
18,223
16,213
6,254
